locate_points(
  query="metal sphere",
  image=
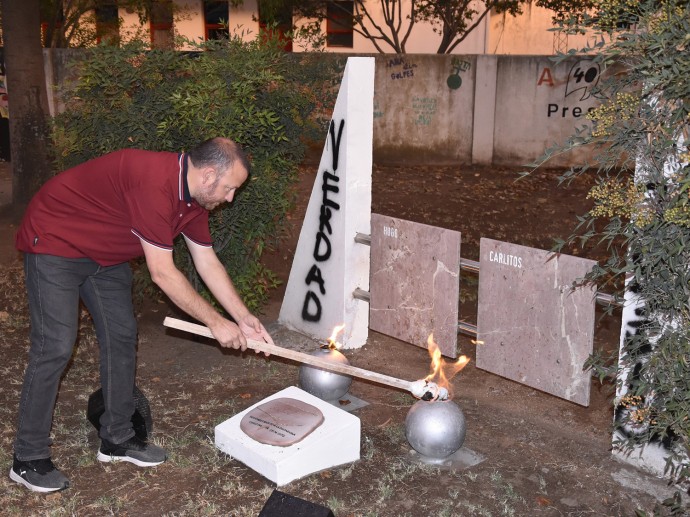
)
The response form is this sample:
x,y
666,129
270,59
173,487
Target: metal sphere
x,y
323,384
435,429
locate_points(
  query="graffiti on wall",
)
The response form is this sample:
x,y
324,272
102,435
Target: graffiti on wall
x,y
582,79
583,76
316,283
400,68
424,109
378,112
630,408
454,80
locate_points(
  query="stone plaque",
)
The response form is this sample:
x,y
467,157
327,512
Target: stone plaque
x,y
415,282
533,326
282,421
335,442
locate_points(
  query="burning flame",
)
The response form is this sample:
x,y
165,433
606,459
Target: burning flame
x,y
441,371
332,343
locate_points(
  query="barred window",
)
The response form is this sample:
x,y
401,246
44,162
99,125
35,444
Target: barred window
x,y
339,23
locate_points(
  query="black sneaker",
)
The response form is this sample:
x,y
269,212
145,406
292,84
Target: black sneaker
x,y
38,475
134,450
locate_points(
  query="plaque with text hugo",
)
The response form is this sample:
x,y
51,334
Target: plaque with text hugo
x,y
415,282
533,326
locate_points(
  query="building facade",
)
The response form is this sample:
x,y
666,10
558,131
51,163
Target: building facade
x,y
498,33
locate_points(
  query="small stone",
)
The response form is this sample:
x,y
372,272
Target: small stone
x,y
569,501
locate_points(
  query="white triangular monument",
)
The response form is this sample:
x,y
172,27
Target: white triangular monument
x,y
329,265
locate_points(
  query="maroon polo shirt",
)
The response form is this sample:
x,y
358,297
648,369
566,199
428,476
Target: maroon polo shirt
x,y
102,208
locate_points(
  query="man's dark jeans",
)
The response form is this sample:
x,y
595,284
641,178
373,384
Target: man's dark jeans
x,y
54,286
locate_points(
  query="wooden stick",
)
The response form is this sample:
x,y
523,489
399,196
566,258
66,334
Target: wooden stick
x,y
300,357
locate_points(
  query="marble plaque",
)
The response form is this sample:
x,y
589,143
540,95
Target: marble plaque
x,y
533,326
335,442
415,282
281,422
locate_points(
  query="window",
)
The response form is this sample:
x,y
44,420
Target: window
x,y
216,14
276,21
162,24
339,23
107,23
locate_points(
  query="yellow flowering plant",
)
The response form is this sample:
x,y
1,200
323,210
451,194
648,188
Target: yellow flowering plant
x,y
640,141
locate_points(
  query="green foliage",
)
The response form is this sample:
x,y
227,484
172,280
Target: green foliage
x,y
640,136
162,100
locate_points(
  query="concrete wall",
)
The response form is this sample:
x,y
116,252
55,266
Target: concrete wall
x,y
418,117
503,110
540,104
459,110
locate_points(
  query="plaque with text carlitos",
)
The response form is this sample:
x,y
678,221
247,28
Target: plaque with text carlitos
x,y
415,282
533,325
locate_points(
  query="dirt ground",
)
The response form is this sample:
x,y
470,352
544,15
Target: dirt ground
x,y
543,456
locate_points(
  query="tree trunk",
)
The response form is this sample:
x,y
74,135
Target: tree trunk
x,y
447,36
28,98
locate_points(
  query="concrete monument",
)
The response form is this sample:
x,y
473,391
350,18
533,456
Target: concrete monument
x,y
328,265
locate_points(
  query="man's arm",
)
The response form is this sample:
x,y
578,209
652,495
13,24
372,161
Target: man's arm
x,y
216,278
176,286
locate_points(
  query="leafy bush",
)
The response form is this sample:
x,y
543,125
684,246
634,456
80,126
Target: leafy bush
x,y
642,206
163,100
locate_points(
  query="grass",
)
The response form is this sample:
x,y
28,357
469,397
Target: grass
x,y
199,480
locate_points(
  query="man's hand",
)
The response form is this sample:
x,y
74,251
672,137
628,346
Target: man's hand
x,y
228,334
215,276
179,290
252,328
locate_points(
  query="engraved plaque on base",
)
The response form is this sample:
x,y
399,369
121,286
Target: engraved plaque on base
x,y
281,422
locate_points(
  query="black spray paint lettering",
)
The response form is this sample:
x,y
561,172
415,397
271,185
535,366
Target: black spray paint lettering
x,y
311,308
322,240
583,77
565,111
407,68
454,80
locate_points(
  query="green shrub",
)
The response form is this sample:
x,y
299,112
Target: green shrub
x,y
641,212
164,100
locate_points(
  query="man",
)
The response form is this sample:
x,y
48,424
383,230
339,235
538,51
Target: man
x,y
78,234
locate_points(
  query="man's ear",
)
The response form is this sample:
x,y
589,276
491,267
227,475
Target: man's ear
x,y
208,176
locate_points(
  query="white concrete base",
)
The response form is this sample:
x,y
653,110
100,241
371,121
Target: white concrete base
x,y
651,457
335,442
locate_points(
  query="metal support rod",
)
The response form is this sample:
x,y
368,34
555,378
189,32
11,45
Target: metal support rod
x,y
361,294
469,265
473,267
467,328
363,238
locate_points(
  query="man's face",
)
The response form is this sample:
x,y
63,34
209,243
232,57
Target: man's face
x,y
218,188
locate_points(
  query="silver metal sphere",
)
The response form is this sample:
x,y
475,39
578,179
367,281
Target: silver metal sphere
x,y
435,429
320,383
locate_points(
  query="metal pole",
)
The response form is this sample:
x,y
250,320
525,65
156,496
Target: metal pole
x,y
473,267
